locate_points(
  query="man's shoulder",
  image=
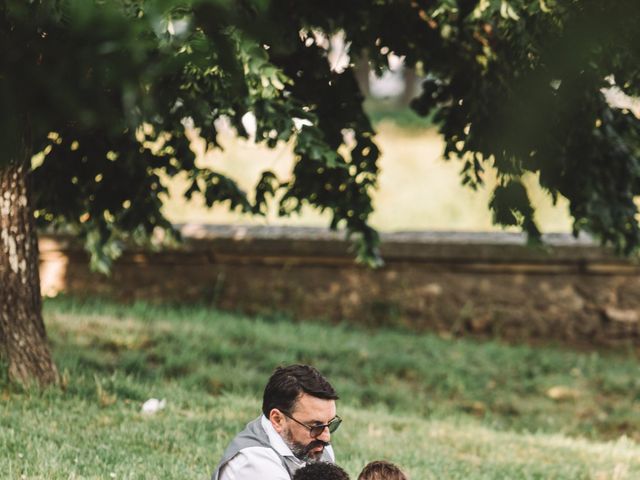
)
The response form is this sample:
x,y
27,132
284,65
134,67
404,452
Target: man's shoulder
x,y
254,462
256,453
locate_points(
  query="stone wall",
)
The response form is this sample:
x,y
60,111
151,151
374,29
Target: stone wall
x,y
452,283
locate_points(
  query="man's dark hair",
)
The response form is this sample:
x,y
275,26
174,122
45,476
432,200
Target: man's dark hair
x,y
381,470
288,383
321,471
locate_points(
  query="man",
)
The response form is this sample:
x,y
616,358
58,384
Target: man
x,y
298,417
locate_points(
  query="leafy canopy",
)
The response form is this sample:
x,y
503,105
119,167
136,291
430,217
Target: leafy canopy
x,y
104,90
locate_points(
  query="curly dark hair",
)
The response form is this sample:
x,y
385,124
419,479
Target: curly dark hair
x,y
381,470
288,383
321,471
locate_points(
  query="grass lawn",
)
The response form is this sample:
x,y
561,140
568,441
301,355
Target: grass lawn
x,y
442,408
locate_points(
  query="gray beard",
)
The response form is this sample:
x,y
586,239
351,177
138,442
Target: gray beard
x,y
302,451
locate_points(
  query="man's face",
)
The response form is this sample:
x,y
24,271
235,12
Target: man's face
x,y
310,411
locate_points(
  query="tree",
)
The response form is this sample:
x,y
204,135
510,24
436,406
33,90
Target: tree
x,y
95,97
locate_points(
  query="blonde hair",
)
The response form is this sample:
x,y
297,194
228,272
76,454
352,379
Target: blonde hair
x,y
381,470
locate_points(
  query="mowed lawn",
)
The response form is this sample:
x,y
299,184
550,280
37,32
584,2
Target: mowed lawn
x,y
441,408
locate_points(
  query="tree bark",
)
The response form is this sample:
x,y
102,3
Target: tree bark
x,y
23,339
361,71
410,80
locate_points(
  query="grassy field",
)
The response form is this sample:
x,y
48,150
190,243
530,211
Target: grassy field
x,y
418,190
442,408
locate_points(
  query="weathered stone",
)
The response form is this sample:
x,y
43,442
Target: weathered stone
x,y
467,283
622,315
481,323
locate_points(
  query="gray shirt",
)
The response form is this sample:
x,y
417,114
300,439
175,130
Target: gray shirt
x,y
259,452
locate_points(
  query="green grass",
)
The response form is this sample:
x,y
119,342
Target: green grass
x,y
442,408
387,111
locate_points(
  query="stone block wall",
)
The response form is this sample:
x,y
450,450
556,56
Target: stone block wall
x,y
452,283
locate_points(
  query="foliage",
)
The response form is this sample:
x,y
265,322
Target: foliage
x,y
104,90
518,87
445,409
107,89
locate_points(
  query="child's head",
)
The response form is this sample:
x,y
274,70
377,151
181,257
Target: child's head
x,y
321,471
381,470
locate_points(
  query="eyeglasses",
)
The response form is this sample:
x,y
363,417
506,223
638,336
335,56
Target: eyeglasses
x,y
316,430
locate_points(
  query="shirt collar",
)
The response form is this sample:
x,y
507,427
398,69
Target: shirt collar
x,y
278,444
275,439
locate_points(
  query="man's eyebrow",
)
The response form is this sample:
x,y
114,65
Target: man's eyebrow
x,y
311,421
320,422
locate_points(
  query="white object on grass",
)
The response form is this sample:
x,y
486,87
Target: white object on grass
x,y
153,405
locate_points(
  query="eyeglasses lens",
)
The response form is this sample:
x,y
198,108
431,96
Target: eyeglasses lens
x,y
333,425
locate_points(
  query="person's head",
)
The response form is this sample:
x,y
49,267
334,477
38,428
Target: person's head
x,y
321,471
381,470
301,405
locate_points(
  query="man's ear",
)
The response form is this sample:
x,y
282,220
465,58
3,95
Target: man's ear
x,y
277,420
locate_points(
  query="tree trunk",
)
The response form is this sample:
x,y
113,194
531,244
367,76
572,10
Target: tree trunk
x,y
23,340
410,79
361,71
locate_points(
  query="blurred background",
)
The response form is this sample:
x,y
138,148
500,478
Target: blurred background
x,y
417,189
